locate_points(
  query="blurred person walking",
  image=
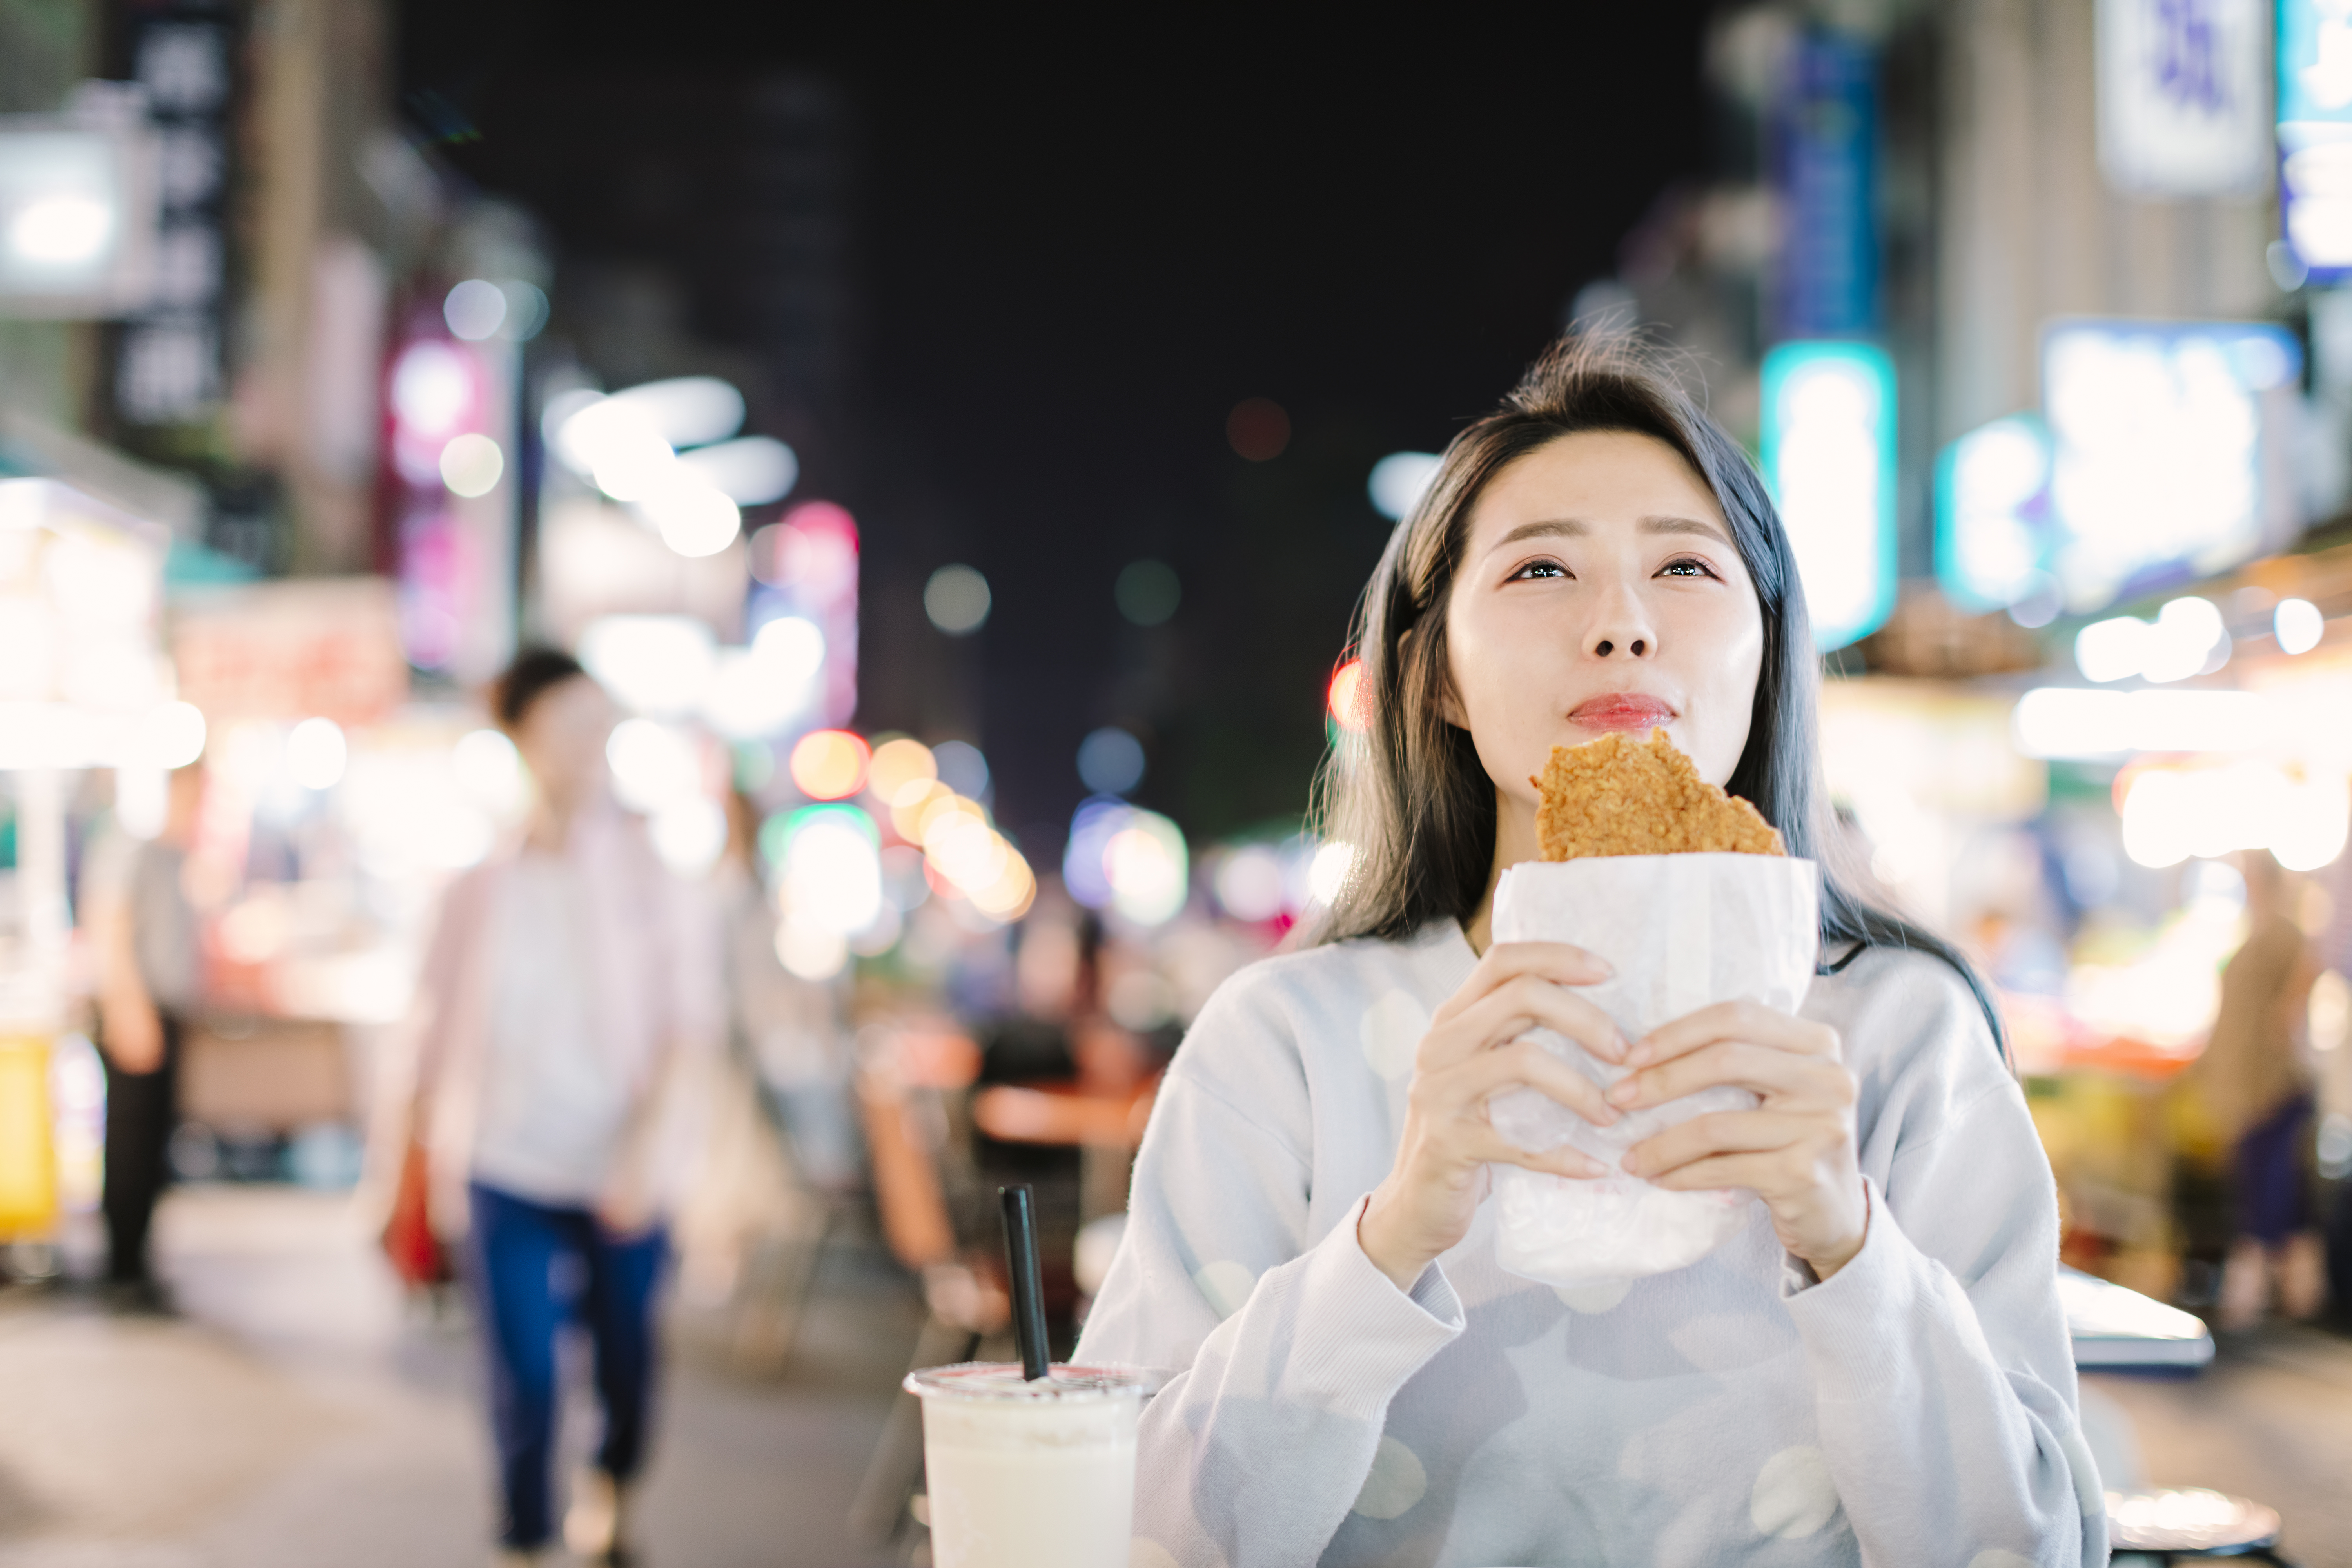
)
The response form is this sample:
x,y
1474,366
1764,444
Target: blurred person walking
x,y
151,979
2252,1083
565,1017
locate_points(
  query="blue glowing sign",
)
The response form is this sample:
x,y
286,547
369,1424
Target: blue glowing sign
x,y
1829,458
2169,446
2314,134
1994,536
1826,135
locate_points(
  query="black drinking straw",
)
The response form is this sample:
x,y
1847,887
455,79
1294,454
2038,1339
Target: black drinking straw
x,y
1028,1288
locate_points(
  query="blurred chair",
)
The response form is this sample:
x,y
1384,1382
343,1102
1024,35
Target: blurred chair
x,y
912,1089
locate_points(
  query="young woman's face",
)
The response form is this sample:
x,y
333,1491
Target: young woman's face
x,y
1600,590
562,738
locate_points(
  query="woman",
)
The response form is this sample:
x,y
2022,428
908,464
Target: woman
x,y
2251,1080
567,1004
1881,1374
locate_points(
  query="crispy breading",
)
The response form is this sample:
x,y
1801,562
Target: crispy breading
x,y
1621,796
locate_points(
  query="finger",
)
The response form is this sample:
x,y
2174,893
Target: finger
x,y
1491,1147
1749,1021
1526,1003
1768,1175
1775,1074
1506,961
1716,1133
1523,1064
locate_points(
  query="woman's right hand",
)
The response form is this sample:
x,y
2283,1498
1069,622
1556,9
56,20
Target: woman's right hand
x,y
1478,1047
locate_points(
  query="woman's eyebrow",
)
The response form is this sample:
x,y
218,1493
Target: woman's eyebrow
x,y
1683,525
1574,528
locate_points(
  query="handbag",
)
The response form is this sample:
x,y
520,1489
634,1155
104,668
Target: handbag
x,y
417,1255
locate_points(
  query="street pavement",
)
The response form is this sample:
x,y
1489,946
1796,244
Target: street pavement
x,y
296,1414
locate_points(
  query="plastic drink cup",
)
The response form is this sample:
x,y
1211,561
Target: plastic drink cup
x,y
1029,1475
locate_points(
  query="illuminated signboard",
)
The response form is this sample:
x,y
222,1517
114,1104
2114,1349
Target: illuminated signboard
x,y
2183,105
1995,539
76,217
1829,458
2169,450
2314,134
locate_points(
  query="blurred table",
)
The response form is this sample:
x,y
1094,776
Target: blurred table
x,y
2117,1330
1105,1125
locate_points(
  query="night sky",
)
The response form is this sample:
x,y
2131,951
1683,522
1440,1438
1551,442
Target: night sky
x,y
1071,253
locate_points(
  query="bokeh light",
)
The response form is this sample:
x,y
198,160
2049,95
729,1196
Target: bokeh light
x,y
173,735
957,600
961,767
1330,872
472,465
1110,762
2298,626
1123,858
475,310
832,869
1249,883
652,664
829,764
2172,814
897,766
654,765
315,753
1399,480
1350,700
1147,593
1258,429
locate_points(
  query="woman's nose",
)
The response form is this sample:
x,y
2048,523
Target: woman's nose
x,y
1622,629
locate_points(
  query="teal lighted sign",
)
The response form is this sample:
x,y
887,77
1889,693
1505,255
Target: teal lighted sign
x,y
1828,460
1994,532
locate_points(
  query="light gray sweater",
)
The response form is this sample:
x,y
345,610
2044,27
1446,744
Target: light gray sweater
x,y
1917,1409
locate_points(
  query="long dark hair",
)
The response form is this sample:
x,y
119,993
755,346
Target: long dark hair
x,y
1414,799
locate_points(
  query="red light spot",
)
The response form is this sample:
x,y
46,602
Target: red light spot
x,y
1351,699
1258,428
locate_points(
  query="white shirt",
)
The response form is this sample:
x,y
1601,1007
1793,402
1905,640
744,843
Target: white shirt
x,y
1916,1408
554,1098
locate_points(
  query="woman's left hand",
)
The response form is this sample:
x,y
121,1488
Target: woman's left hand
x,y
1796,1150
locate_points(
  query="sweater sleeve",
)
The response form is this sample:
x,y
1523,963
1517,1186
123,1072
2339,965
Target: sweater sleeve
x,y
1280,1351
1943,1372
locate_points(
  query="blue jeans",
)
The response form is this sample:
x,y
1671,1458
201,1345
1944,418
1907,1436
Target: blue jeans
x,y
515,1251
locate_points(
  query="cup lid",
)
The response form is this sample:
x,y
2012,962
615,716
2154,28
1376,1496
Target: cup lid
x,y
1003,1380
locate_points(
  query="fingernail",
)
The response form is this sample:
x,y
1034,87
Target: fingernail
x,y
1626,1091
1639,1054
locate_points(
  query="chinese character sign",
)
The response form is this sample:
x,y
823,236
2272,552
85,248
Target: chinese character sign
x,y
2184,108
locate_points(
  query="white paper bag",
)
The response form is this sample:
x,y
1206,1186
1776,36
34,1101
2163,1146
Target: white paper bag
x,y
1682,931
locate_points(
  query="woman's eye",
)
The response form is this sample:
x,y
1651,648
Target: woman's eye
x,y
1540,569
1685,567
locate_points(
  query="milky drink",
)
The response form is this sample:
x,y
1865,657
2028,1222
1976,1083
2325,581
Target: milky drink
x,y
1029,1475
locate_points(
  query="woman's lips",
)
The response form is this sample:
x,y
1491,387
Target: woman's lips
x,y
1621,711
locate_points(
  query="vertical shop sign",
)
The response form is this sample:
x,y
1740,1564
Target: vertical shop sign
x,y
168,371
1829,458
2184,107
453,486
1994,533
1825,133
2314,134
